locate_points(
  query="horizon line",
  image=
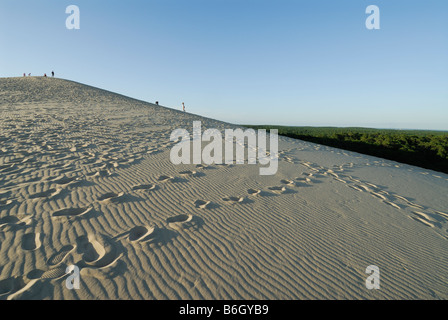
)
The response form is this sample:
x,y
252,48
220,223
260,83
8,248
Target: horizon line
x,y
241,124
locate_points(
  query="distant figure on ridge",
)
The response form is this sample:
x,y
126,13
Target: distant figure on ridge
x,y
183,106
52,74
24,75
157,103
29,74
45,75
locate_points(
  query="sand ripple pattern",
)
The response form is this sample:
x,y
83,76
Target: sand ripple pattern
x,y
86,180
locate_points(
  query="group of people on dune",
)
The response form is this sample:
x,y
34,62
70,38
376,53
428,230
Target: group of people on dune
x,y
45,75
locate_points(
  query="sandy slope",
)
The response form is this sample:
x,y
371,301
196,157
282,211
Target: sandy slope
x,y
86,179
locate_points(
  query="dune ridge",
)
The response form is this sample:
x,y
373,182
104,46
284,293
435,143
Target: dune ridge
x,y
86,179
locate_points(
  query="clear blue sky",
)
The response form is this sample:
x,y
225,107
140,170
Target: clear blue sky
x,y
286,62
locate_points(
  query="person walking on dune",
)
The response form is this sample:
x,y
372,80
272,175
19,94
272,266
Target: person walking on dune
x,y
52,74
183,106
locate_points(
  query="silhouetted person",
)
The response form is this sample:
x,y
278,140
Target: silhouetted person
x,y
24,75
157,102
29,74
52,74
183,106
45,75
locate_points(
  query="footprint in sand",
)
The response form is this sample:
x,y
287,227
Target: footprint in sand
x,y
372,185
15,221
340,180
378,195
188,173
363,188
94,251
253,192
415,205
97,252
51,274
422,220
355,188
396,206
332,173
304,180
144,187
109,165
31,241
202,204
353,179
71,212
164,178
288,159
14,287
182,221
65,181
140,233
401,198
59,257
224,165
443,214
7,286
104,173
287,182
153,151
278,189
233,200
111,197
204,167
46,194
91,249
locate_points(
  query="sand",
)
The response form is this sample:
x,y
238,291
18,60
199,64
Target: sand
x,y
86,180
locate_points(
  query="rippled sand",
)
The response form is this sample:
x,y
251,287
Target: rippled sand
x,y
86,180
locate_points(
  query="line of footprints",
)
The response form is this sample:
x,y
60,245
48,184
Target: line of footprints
x,y
427,216
91,252
422,214
96,252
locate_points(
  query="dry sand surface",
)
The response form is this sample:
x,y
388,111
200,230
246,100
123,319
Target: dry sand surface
x,y
86,180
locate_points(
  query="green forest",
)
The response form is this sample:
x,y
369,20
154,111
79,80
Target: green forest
x,y
426,149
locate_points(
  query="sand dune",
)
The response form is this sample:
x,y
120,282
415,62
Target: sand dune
x,y
86,180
